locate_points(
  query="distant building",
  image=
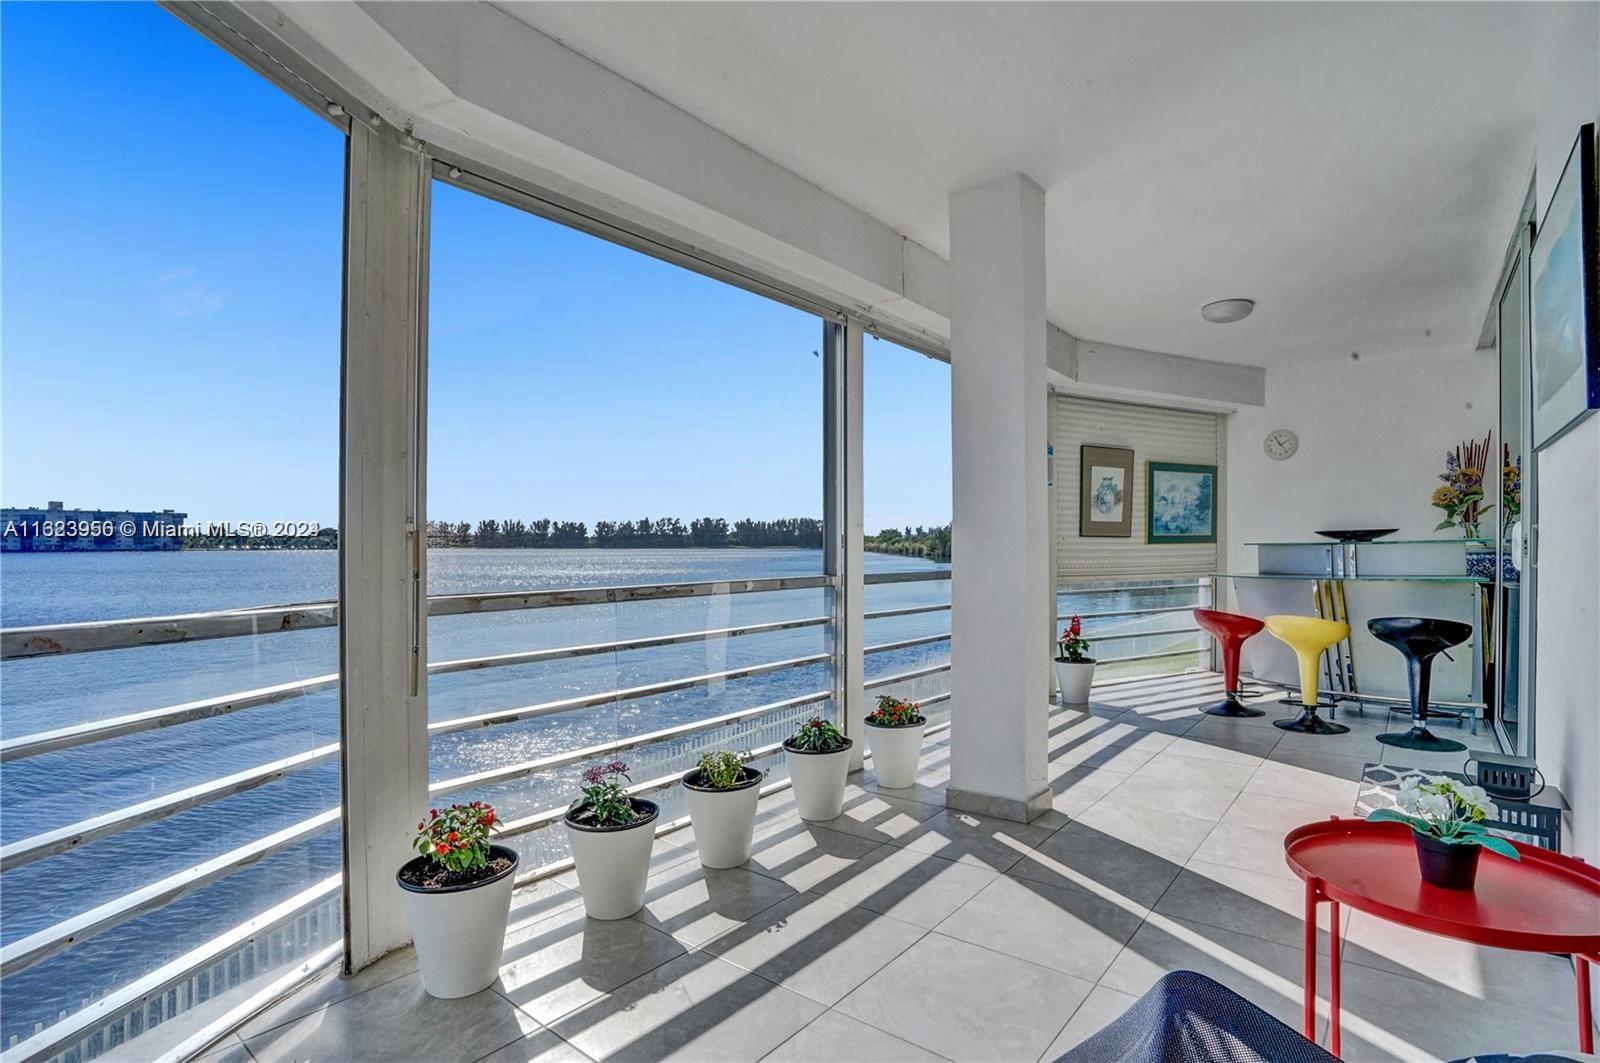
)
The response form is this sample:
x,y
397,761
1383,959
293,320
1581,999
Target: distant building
x,y
56,529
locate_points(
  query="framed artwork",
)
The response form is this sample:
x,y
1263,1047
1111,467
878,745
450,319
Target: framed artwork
x,y
1566,300
1105,477
1181,503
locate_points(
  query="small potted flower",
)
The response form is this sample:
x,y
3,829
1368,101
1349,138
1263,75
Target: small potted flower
x,y
894,735
457,897
1074,667
722,807
611,835
1446,821
819,759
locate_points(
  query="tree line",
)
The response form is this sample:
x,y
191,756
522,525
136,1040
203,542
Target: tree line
x,y
662,531
930,543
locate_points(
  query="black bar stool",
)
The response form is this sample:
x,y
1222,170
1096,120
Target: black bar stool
x,y
1420,639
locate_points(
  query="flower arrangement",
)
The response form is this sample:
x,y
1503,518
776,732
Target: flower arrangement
x,y
1460,494
1510,485
605,803
457,838
817,735
1074,647
1438,807
722,770
895,712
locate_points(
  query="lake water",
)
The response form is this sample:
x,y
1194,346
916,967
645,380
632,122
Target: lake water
x,y
53,790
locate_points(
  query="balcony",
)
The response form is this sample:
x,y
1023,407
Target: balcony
x,y
1163,852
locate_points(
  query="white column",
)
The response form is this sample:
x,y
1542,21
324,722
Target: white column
x,y
382,603
843,532
1000,591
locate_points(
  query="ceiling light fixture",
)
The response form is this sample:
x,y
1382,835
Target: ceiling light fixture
x,y
1227,311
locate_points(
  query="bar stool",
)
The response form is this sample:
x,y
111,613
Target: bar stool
x,y
1231,630
1308,637
1420,639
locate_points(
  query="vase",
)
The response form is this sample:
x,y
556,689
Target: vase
x,y
612,862
1448,866
818,781
1075,678
896,753
459,931
724,821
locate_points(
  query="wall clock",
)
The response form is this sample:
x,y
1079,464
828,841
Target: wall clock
x,y
1280,444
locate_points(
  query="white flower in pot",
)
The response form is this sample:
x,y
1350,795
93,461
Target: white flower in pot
x,y
457,897
611,835
1446,820
722,807
1074,666
894,735
819,759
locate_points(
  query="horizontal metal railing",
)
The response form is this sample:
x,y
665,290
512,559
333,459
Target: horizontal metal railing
x,y
872,579
90,636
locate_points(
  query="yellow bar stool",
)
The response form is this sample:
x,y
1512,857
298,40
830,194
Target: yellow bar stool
x,y
1308,637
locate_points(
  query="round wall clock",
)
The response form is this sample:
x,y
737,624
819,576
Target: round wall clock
x,y
1280,444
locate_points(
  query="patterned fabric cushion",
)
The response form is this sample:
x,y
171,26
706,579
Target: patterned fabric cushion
x,y
1187,1017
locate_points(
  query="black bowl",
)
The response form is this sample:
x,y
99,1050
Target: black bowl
x,y
1357,535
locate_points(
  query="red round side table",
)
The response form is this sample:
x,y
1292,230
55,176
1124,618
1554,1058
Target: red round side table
x,y
1545,902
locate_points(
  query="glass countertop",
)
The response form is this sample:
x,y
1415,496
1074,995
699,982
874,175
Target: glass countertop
x,y
1302,577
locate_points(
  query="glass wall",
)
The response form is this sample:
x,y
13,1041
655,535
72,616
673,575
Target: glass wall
x,y
906,516
625,460
170,406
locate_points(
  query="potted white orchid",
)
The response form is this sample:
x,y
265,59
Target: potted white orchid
x,y
1446,820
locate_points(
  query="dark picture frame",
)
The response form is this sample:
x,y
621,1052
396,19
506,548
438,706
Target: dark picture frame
x,y
1180,503
1105,492
1565,299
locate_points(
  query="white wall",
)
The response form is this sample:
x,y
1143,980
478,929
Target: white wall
x,y
1373,434
1567,681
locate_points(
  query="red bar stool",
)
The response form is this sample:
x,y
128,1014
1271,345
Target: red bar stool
x,y
1231,630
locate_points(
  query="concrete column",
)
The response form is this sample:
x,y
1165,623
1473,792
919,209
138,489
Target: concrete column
x,y
383,691
1000,590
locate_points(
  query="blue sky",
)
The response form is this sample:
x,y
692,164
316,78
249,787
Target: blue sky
x,y
171,243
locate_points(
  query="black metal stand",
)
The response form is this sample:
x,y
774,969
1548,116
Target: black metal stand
x,y
1230,706
1308,722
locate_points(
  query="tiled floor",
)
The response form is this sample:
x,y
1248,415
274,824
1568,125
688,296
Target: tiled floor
x,y
904,931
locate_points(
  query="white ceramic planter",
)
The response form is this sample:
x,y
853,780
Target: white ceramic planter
x,y
818,780
613,863
724,820
1075,678
895,753
460,932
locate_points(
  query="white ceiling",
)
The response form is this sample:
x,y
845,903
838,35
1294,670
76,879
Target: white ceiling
x,y
1355,168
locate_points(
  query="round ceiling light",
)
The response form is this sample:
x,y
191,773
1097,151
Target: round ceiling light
x,y
1227,311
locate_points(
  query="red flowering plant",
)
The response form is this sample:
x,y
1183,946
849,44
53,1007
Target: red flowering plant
x,y
1074,647
457,838
895,712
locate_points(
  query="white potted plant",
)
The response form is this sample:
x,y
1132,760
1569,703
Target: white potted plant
x,y
894,735
819,759
457,897
722,807
611,835
1074,667
1446,820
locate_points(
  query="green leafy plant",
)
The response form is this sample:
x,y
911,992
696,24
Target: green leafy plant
x,y
722,770
457,838
1074,647
1439,807
605,802
895,712
817,735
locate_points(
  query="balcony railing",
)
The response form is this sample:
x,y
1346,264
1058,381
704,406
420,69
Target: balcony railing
x,y
216,977
305,930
